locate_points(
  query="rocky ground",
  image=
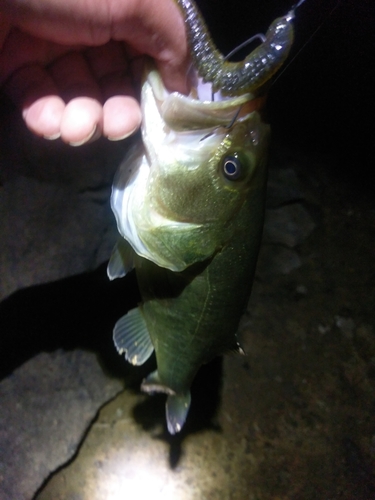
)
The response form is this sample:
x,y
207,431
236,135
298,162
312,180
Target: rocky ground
x,y
291,420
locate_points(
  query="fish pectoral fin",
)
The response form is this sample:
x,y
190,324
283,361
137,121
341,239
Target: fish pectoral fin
x,y
132,338
121,261
236,349
177,408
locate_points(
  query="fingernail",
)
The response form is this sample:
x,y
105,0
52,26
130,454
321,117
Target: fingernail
x,y
52,137
125,136
94,134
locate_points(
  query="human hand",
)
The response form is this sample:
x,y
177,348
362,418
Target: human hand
x,y
71,65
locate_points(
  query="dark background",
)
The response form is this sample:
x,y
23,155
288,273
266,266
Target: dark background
x,y
323,102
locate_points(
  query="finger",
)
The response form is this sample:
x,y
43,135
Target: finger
x,y
157,29
82,121
121,117
82,118
108,63
121,112
21,49
43,116
73,78
63,22
34,91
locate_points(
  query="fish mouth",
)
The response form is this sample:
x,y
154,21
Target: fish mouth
x,y
201,109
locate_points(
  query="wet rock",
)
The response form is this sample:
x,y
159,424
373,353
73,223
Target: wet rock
x,y
276,259
284,228
324,329
120,459
345,325
48,232
46,406
84,168
301,290
366,332
289,225
55,217
283,187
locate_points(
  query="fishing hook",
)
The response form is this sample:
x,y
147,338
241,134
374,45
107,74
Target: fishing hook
x,y
226,127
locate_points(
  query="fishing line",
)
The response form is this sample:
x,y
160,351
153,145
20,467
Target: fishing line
x,y
298,4
307,41
258,35
262,37
245,43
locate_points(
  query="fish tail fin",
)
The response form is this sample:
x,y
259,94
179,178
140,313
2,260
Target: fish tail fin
x,y
131,337
177,408
177,405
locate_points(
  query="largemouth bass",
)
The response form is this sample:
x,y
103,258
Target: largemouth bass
x,y
189,204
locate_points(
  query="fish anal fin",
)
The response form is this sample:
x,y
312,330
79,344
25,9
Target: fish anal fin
x,y
121,260
131,337
177,408
177,405
152,384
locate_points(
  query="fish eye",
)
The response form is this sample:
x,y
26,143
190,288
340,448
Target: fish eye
x,y
232,167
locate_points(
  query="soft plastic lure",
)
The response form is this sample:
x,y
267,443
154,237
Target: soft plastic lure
x,y
237,78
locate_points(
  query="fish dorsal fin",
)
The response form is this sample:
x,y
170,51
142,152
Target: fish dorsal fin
x,y
121,261
131,337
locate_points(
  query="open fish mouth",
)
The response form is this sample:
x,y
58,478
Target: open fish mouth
x,y
201,109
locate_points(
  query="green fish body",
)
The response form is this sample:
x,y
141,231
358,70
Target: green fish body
x,y
189,206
